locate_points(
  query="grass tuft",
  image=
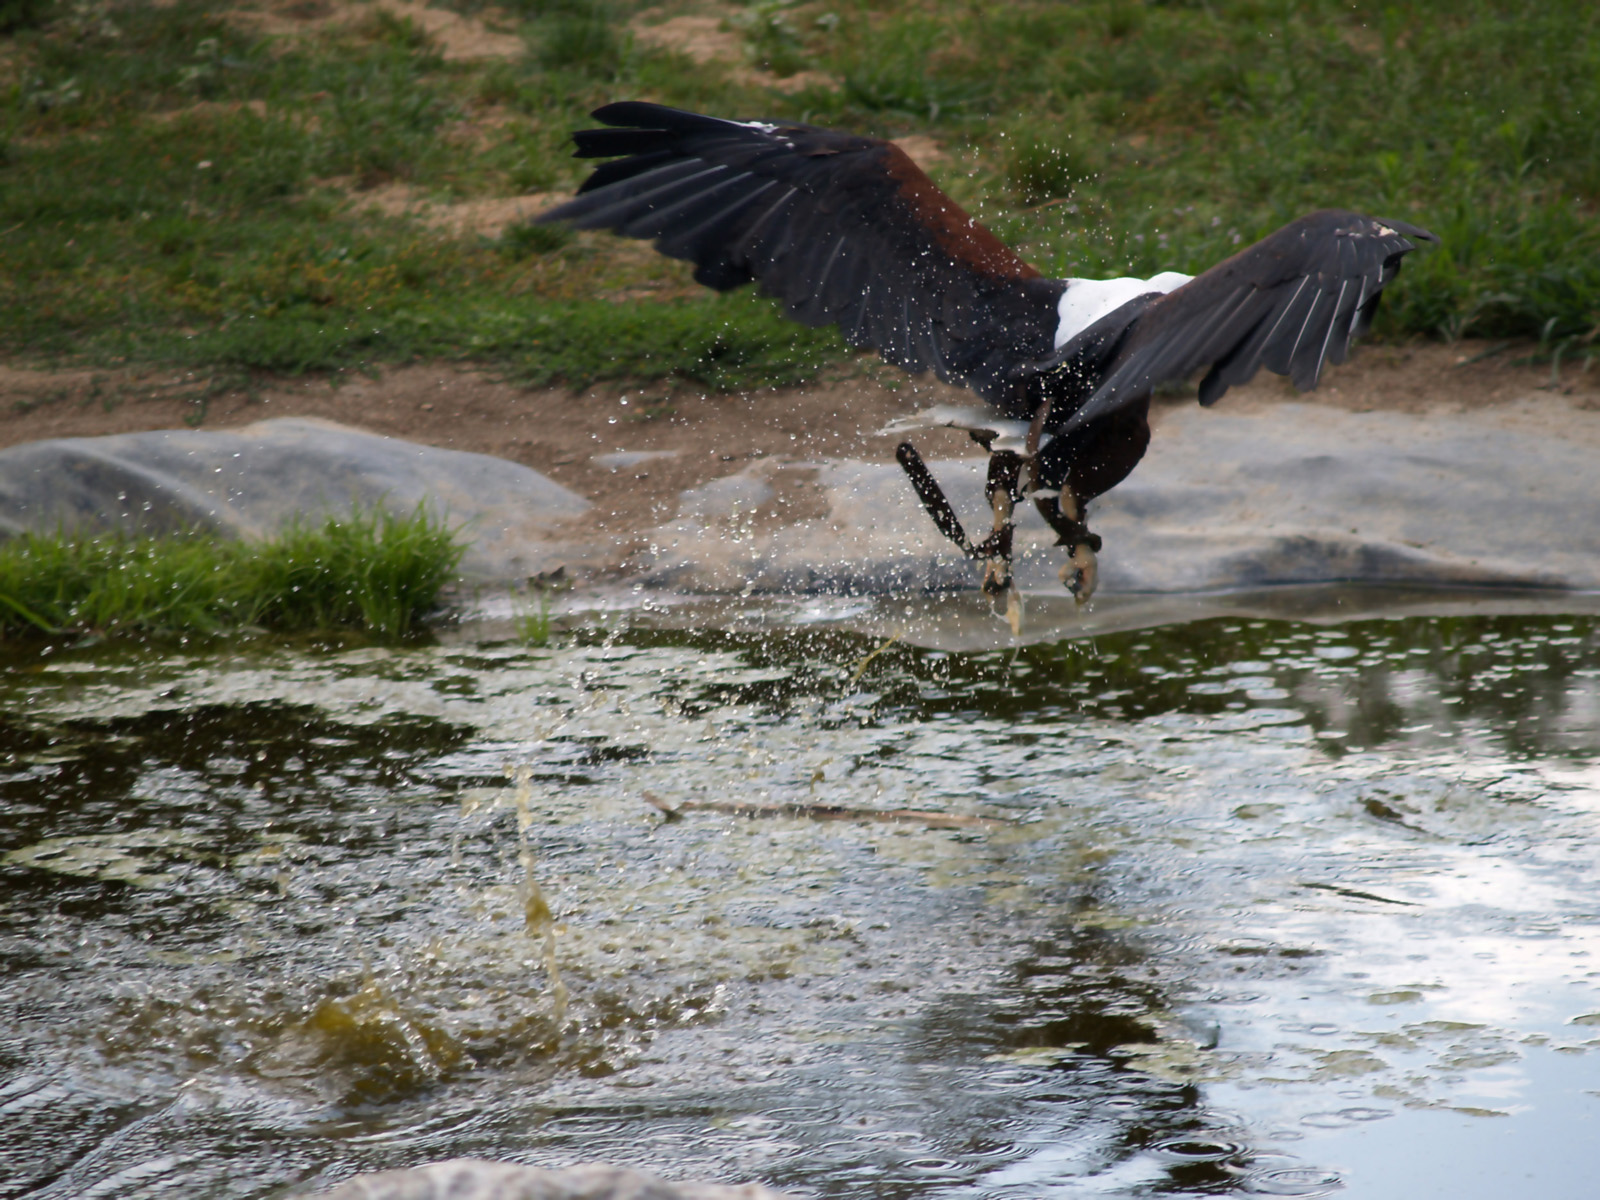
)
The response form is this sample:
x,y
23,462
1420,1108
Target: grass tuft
x,y
532,622
584,38
1041,167
374,572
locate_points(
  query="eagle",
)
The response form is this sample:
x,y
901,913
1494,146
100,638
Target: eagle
x,y
845,229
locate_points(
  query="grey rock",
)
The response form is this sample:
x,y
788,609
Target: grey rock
x,y
732,534
475,1179
1303,493
1295,494
250,482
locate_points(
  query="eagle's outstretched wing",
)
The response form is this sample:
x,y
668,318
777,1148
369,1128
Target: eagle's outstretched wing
x,y
847,230
1290,303
841,229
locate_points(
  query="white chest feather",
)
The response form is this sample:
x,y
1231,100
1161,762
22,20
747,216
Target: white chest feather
x,y
1087,300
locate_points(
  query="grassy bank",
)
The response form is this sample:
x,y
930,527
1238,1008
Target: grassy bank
x,y
194,185
375,573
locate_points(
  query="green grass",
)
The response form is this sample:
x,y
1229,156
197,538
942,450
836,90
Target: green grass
x,y
729,342
175,188
374,572
531,617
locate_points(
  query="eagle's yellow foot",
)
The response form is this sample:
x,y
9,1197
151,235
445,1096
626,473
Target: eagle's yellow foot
x,y
1080,573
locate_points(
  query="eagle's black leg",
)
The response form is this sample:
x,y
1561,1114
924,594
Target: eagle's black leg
x,y
1002,489
1088,463
1011,477
933,497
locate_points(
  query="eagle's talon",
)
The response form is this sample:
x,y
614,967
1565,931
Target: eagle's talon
x,y
1080,572
996,577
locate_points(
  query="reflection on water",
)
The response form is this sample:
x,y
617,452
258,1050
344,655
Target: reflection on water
x,y
1262,908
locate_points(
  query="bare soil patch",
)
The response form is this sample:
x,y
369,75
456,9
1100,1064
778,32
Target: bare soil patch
x,y
488,217
703,39
1427,377
459,38
923,150
210,109
707,39
708,436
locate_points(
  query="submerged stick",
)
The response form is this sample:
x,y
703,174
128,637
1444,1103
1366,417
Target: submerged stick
x,y
826,812
1353,893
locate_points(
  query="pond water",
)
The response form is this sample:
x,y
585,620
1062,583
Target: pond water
x,y
1234,906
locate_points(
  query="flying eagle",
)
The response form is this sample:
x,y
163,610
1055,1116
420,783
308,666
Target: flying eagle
x,y
847,230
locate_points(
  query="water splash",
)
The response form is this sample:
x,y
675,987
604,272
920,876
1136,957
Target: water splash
x,y
538,920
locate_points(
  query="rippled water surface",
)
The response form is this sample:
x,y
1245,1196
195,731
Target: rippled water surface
x,y
1231,907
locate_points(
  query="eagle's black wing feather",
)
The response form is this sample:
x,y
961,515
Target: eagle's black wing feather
x,y
841,229
1290,303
